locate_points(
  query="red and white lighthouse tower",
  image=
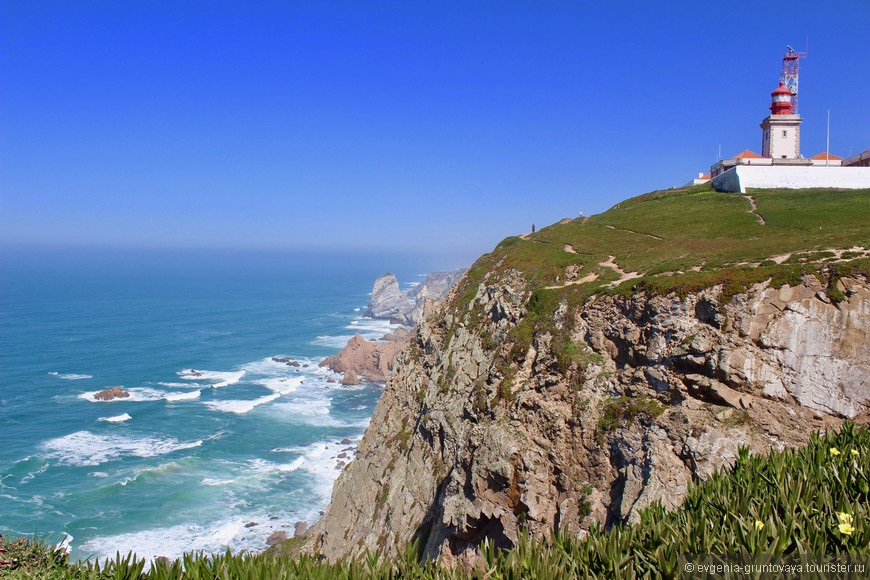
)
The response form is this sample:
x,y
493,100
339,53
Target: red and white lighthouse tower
x,y
780,138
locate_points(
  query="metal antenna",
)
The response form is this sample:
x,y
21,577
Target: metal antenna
x,y
789,75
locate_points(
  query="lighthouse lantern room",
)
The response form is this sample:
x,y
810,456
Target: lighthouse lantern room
x,y
780,137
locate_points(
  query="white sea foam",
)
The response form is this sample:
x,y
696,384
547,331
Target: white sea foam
x,y
116,418
240,407
211,537
221,378
270,367
336,342
84,448
307,410
293,466
67,540
70,376
32,474
320,460
182,385
283,386
371,327
171,397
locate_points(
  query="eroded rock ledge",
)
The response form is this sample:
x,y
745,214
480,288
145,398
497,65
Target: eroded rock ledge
x,y
619,403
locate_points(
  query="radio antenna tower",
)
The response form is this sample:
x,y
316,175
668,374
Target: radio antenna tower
x,y
789,76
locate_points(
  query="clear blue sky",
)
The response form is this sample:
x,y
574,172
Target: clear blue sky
x,y
442,126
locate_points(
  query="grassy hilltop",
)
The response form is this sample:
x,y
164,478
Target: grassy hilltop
x,y
689,238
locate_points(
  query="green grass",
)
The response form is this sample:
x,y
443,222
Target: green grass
x,y
618,412
787,504
697,227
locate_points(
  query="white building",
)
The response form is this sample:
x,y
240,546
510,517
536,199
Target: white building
x,y
781,164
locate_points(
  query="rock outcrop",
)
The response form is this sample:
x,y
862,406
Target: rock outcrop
x,y
111,393
372,359
493,420
388,301
436,285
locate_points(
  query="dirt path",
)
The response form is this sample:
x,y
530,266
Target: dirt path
x,y
592,277
623,275
753,207
608,226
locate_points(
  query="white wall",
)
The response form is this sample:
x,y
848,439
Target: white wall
x,y
739,178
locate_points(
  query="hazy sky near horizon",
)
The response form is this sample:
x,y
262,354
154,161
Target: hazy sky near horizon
x,y
437,127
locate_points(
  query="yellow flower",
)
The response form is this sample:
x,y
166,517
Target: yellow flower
x,y
844,518
846,529
759,525
854,452
835,451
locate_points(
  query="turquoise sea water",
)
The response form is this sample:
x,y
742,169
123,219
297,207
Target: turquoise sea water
x,y
216,435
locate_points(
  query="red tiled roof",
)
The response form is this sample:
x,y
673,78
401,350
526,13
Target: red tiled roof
x,y
830,156
747,154
706,176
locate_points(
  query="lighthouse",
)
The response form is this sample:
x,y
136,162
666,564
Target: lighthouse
x,y
780,137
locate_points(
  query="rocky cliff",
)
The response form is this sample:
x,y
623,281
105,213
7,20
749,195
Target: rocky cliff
x,y
525,405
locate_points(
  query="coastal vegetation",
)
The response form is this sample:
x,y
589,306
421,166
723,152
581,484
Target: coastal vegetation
x,y
791,504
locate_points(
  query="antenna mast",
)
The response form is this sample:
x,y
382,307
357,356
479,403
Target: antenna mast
x,y
789,76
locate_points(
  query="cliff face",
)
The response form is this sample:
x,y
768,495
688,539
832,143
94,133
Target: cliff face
x,y
490,423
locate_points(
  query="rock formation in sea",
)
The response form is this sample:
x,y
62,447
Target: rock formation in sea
x,y
486,427
388,301
374,359
436,285
111,393
371,359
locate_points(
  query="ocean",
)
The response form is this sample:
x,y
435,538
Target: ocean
x,y
218,444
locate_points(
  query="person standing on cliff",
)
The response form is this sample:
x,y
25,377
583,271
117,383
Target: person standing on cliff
x,y
533,228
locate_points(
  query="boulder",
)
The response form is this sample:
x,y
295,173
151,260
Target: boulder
x,y
276,538
300,528
350,378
